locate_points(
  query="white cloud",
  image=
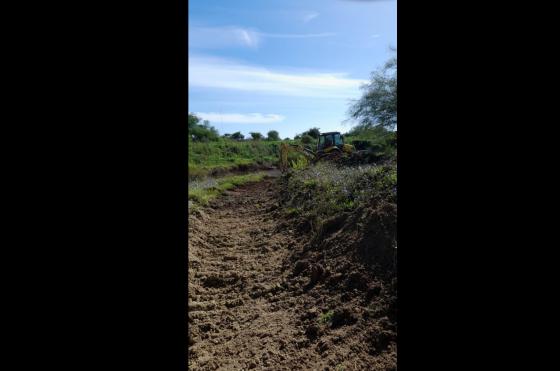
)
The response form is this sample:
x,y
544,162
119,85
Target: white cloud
x,y
209,72
310,16
240,118
218,37
232,36
375,36
297,36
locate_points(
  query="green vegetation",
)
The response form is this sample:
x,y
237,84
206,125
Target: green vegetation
x,y
379,140
202,193
273,135
325,191
378,104
256,136
200,132
210,154
225,154
326,317
237,136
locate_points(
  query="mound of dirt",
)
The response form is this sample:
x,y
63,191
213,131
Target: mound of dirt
x,y
263,295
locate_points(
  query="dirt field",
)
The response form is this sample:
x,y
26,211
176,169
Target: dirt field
x,y
261,298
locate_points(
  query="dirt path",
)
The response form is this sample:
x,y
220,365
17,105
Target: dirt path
x,y
246,309
237,272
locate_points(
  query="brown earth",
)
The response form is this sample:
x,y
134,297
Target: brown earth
x,y
264,296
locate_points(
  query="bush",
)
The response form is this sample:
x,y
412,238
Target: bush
x,y
228,154
256,136
237,136
307,139
325,190
313,133
273,135
201,132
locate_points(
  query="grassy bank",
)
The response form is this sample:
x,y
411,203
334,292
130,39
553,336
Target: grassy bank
x,y
230,155
201,193
325,191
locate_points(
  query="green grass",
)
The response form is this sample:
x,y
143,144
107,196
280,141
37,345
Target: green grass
x,y
227,154
202,196
326,317
324,191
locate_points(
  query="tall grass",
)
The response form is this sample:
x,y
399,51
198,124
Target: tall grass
x,y
201,193
324,190
230,154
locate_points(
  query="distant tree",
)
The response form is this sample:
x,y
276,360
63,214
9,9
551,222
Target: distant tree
x,y
297,137
287,138
201,132
227,135
313,132
256,136
378,104
237,136
307,139
273,135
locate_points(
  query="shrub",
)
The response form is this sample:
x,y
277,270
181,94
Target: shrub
x,y
273,135
307,139
256,136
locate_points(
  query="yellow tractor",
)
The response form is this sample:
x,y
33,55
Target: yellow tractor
x,y
330,146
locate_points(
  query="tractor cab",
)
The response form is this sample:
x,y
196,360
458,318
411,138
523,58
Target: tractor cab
x,y
329,140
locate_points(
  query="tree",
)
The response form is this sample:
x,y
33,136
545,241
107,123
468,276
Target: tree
x,y
192,120
201,132
378,104
273,135
307,139
237,136
256,136
313,133
287,138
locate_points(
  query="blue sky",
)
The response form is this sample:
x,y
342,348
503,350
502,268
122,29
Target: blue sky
x,y
284,65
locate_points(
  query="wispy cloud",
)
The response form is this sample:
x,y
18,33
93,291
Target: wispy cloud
x,y
375,36
218,37
241,118
297,36
310,16
210,72
233,36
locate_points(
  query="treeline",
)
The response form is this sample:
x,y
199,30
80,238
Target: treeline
x,y
201,131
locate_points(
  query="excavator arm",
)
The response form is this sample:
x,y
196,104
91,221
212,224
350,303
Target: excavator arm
x,y
286,148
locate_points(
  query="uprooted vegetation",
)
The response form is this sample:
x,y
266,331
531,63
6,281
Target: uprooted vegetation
x,y
326,197
350,216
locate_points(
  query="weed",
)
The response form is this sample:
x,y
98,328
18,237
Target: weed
x,y
299,163
326,317
202,193
229,154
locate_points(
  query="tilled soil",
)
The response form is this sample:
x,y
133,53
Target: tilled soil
x,y
255,302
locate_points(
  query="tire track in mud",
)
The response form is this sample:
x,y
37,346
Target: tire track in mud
x,y
238,315
255,304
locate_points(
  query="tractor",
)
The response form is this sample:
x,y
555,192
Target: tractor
x,y
330,146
